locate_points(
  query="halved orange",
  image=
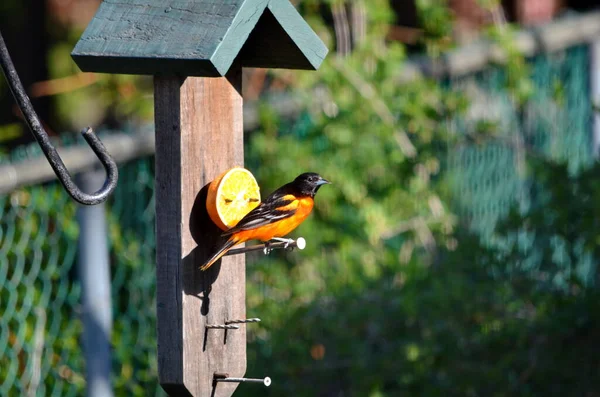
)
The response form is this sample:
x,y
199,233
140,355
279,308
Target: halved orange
x,y
231,196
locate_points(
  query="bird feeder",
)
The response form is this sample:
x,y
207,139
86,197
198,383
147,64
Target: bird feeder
x,y
195,50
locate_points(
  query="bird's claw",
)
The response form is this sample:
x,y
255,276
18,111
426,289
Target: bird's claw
x,y
267,250
287,244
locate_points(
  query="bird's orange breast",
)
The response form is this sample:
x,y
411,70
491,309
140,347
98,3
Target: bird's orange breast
x,y
302,206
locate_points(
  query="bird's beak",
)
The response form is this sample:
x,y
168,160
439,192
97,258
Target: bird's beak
x,y
323,182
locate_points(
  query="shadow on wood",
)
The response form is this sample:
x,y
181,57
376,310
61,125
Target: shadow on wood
x,y
206,234
199,284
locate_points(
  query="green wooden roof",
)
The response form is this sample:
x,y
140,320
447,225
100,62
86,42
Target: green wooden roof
x,y
196,37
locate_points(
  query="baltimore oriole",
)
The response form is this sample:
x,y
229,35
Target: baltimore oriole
x,y
281,212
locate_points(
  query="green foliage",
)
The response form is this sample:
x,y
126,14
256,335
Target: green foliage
x,y
543,266
518,72
8,132
482,321
337,311
436,20
112,100
391,297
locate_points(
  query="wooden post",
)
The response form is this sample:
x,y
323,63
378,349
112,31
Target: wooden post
x,y
199,134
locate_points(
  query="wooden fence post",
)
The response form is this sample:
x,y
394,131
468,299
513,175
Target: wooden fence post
x,y
199,134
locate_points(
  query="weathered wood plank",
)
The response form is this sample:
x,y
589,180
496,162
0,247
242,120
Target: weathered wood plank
x,y
192,37
199,134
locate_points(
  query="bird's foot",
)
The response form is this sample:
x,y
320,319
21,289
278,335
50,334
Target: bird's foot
x,y
267,250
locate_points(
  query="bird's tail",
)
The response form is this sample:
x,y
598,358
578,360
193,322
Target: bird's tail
x,y
222,251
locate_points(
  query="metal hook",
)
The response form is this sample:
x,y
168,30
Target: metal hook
x,y
50,152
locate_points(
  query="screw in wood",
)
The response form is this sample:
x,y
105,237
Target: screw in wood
x,y
224,377
221,326
248,320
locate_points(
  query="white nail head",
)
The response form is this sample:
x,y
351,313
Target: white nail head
x,y
301,243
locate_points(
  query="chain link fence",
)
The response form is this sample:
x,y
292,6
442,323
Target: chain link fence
x,y
40,298
556,123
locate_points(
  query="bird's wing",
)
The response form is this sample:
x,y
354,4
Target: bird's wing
x,y
275,208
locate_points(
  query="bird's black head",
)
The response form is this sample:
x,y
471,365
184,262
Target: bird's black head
x,y
308,183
